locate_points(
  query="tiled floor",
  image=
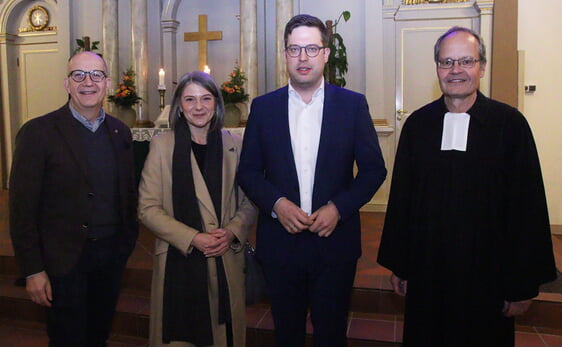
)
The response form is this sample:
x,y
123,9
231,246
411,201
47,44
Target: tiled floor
x,y
361,325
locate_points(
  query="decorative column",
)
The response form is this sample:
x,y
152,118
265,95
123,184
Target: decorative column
x,y
284,12
169,55
110,43
139,57
249,47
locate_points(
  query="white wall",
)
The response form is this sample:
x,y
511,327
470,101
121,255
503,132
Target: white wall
x,y
80,25
539,29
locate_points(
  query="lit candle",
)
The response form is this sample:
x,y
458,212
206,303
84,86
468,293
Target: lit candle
x,y
161,75
207,70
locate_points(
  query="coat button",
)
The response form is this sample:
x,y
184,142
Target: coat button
x,y
91,195
85,225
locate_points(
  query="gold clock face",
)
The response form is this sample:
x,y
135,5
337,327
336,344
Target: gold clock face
x,y
38,17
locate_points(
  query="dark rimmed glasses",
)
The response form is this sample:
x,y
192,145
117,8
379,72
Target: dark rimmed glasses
x,y
295,50
80,75
466,62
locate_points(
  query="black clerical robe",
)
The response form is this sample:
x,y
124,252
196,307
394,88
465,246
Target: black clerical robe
x,y
468,230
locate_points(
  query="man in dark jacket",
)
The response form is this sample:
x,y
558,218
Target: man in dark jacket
x,y
73,208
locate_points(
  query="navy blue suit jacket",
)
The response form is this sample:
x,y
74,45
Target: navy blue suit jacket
x,y
267,172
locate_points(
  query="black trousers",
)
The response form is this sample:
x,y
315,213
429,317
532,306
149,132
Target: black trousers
x,y
84,301
324,288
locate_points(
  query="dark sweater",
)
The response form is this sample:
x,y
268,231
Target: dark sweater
x,y
99,151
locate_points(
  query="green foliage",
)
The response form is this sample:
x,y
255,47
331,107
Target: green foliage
x,y
80,43
336,68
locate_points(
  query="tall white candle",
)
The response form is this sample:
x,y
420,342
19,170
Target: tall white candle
x,y
161,75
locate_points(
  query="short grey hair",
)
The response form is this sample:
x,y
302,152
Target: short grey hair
x,y
481,46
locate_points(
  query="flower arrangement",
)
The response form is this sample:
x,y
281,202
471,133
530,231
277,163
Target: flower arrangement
x,y
126,94
233,90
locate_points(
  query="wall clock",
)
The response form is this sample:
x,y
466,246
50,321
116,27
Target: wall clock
x,y
38,18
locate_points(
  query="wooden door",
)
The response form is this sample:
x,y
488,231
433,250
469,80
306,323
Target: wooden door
x,y
416,30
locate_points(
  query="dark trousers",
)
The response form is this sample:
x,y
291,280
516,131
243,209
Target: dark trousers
x,y
84,301
324,288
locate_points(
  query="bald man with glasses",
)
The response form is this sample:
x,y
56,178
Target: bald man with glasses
x,y
73,202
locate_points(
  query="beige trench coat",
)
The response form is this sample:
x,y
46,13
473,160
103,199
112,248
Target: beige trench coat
x,y
156,213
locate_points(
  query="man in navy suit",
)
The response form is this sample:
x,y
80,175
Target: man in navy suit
x,y
297,165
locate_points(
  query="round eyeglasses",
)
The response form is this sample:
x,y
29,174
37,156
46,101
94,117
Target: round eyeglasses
x,y
295,50
80,75
466,62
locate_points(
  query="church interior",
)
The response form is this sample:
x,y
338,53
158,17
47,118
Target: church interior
x,y
390,54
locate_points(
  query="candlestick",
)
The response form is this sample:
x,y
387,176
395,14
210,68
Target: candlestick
x,y
161,87
162,91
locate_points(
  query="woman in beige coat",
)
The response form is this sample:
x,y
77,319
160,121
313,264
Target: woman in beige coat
x,y
190,200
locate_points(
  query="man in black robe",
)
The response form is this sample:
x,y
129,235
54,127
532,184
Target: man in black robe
x,y
466,234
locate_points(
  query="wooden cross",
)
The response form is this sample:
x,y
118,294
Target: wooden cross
x,y
202,37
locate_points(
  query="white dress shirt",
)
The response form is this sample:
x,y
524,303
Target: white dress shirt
x,y
305,124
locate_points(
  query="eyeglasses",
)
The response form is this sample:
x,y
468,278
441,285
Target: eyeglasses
x,y
80,75
295,50
466,62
